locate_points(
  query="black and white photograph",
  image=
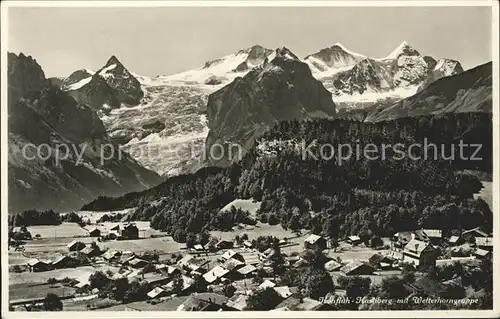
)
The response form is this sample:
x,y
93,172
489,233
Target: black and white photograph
x,y
334,159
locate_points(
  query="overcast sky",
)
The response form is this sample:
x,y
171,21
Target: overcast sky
x,y
168,40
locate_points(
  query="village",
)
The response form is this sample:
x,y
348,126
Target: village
x,y
86,266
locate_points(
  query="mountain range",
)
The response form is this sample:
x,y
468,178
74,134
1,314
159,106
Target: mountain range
x,y
164,123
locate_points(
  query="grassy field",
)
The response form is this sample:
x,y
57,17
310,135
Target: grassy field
x,y
24,291
59,231
248,205
79,273
163,245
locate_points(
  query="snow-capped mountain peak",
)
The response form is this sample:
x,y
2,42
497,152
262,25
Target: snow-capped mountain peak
x,y
331,60
403,49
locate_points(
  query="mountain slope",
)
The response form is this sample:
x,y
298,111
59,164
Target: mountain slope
x,y
283,88
47,121
470,91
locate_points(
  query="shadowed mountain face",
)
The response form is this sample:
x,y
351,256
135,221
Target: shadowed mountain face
x,y
108,88
283,88
469,91
60,155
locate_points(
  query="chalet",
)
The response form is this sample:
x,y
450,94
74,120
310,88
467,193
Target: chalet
x,y
468,235
205,302
154,279
285,291
482,253
248,244
184,261
65,262
187,284
111,255
82,285
380,261
158,292
315,242
130,231
199,247
115,227
232,264
356,268
267,254
238,302
231,254
332,265
94,232
36,265
224,244
353,240
484,242
267,284
138,263
400,239
433,235
197,265
75,245
420,253
455,240
91,252
247,270
215,274
126,257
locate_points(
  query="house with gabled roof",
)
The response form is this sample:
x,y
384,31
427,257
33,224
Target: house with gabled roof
x,y
356,268
421,254
215,274
468,235
484,242
231,254
315,242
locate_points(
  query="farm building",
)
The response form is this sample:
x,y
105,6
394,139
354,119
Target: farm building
x,y
332,265
420,253
433,235
248,244
285,291
36,265
484,242
130,231
75,245
380,261
138,263
91,252
225,244
267,284
353,240
154,279
356,268
94,232
111,255
187,284
198,247
233,264
215,274
455,240
238,302
482,253
315,242
468,235
205,302
65,262
247,270
158,292
231,254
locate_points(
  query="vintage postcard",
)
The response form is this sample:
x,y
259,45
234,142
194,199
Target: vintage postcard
x,y
250,158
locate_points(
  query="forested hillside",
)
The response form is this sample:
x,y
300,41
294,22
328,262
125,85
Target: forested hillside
x,y
332,196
